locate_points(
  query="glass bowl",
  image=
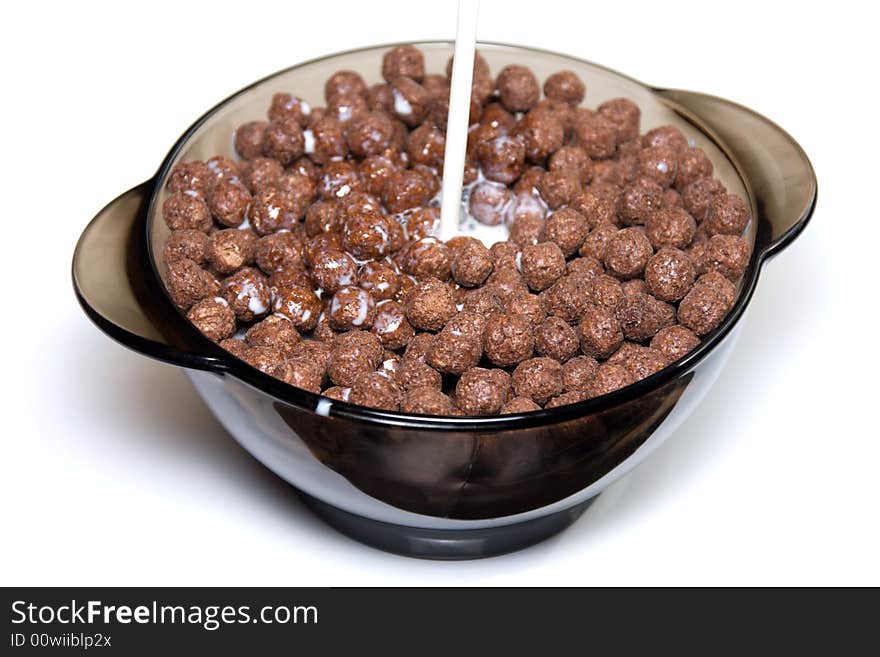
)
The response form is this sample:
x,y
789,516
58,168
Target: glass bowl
x,y
440,487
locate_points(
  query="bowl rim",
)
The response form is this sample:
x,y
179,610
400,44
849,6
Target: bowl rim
x,y
227,363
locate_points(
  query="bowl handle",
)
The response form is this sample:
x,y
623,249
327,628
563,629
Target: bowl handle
x,y
777,169
115,284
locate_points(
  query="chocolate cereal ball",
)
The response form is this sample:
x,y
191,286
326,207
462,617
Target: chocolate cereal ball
x,y
608,378
247,293
473,264
508,339
542,265
262,172
728,255
427,257
454,352
374,172
640,362
332,269
641,315
693,164
345,107
666,135
670,227
566,87
229,250
578,372
376,390
192,177
555,338
703,308
300,373
426,144
600,332
411,101
426,400
669,274
187,283
542,133
351,308
519,405
314,351
624,115
414,373
248,140
213,317
367,235
502,158
325,140
727,214
567,228
526,230
518,88
597,204
574,161
566,398
567,299
283,140
269,211
229,201
348,83
275,331
380,279
299,304
596,135
638,201
585,267
674,342
539,379
405,189
370,133
658,163
490,203
627,253
481,391
403,61
429,305
697,196
186,243
186,211
558,188
391,325
265,359
288,106
353,353
279,251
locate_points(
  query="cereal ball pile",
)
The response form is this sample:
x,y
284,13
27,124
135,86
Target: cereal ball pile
x,y
312,254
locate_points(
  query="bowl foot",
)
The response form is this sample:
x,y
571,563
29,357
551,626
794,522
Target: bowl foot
x,y
447,544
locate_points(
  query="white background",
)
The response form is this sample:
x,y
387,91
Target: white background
x,y
113,471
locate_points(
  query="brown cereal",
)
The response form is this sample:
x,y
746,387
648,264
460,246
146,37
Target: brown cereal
x,y
669,274
638,201
429,305
332,269
555,338
427,257
188,283
539,379
728,255
542,265
403,61
502,158
376,390
567,299
508,339
299,304
640,315
404,190
672,227
627,253
578,372
275,331
380,279
518,88
262,172
192,177
391,326
348,83
519,405
567,228
600,332
697,196
574,161
454,352
481,391
608,378
351,308
185,243
288,106
667,135
674,342
597,204
186,211
624,115
658,163
213,317
596,134
367,235
426,145
693,164
299,372
727,214
229,250
542,133
247,292
283,140
426,400
565,86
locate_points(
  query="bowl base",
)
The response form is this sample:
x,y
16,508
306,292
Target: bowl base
x,y
445,544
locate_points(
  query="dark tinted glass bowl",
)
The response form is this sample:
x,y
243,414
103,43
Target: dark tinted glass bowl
x,y
440,487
